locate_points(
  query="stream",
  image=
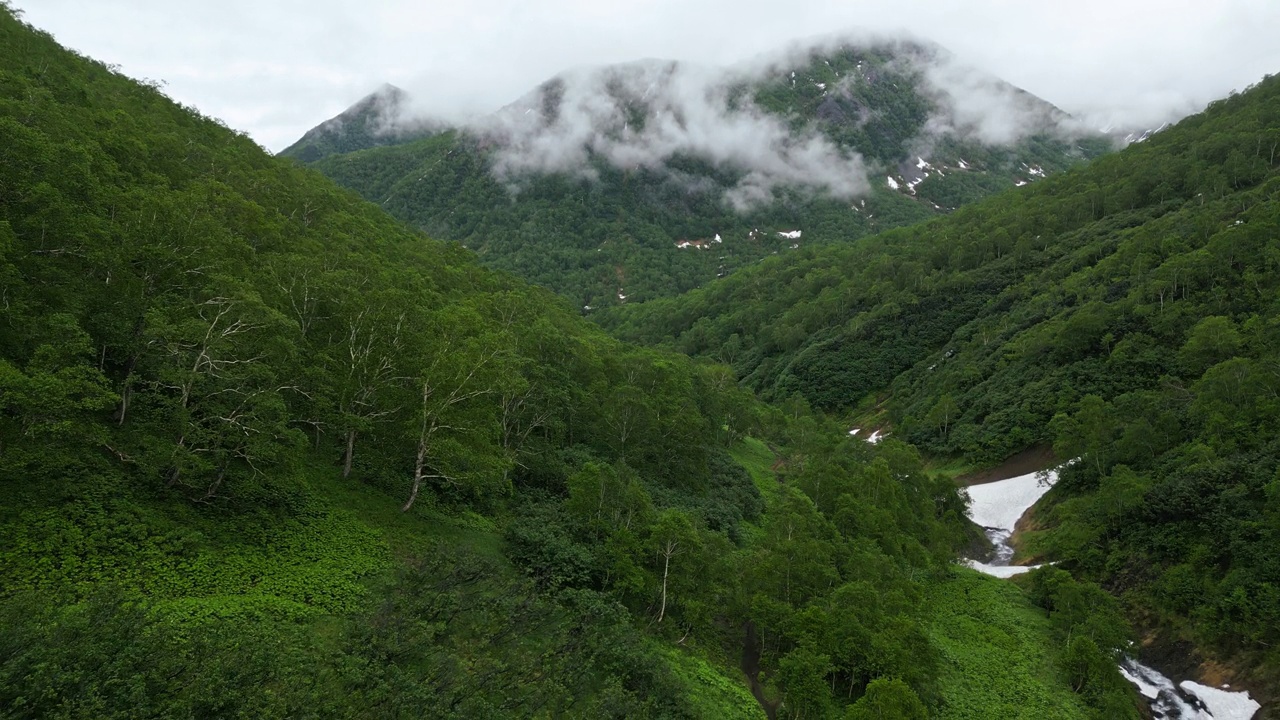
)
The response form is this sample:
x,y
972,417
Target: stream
x,y
997,507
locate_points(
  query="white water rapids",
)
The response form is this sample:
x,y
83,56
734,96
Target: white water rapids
x,y
997,507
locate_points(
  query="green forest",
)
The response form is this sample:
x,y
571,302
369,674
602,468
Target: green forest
x,y
1124,313
268,452
611,238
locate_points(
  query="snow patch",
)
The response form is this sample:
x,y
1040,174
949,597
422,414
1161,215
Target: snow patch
x,y
1221,704
1187,700
875,436
893,184
1134,673
790,235
1001,571
1000,504
997,507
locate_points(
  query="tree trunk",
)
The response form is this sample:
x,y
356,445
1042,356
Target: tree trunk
x,y
666,566
124,404
351,451
417,475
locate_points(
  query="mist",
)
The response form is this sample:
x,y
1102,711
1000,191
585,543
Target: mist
x,y
642,114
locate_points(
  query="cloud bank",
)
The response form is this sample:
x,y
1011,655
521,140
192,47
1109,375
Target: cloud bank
x,y
643,114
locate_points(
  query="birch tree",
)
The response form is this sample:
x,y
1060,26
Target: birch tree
x,y
213,382
454,424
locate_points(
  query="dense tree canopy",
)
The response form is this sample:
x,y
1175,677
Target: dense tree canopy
x,y
1124,313
266,452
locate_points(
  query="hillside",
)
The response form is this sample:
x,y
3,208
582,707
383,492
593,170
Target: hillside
x,y
266,452
625,183
1123,313
380,118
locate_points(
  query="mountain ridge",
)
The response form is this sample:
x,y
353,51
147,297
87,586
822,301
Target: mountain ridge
x,y
835,143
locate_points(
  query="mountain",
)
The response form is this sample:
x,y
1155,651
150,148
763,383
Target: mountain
x,y
380,118
629,182
267,452
1124,314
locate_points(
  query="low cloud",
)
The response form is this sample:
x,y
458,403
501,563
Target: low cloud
x,y
643,114
973,104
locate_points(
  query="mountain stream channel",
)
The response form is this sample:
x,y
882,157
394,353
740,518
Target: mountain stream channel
x,y
997,507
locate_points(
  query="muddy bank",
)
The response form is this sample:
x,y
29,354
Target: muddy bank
x,y
1030,522
1033,459
751,668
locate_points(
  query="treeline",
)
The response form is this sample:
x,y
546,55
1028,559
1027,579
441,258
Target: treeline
x,y
265,452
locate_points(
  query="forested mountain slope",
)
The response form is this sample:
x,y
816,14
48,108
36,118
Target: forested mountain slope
x,y
620,184
1125,312
265,452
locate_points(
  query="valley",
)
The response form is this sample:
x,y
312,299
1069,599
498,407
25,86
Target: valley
x,y
663,391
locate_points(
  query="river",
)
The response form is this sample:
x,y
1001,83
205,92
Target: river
x,y
997,507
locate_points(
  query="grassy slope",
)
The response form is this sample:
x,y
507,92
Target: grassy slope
x,y
313,570
997,660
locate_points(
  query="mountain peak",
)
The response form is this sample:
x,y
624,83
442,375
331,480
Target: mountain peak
x,y
382,117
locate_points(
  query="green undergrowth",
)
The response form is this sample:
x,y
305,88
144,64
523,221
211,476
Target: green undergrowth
x,y
411,534
715,690
312,560
756,457
997,660
948,467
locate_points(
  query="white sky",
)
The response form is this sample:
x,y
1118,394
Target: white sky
x,y
275,68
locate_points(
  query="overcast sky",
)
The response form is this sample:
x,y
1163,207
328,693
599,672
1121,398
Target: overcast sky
x,y
275,68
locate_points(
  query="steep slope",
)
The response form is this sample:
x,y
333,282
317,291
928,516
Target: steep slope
x,y
1124,312
625,183
382,117
265,452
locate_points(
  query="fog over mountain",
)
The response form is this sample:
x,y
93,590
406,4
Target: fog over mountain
x,y
645,113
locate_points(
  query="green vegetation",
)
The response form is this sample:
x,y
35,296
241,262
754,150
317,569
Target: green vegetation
x,y
612,239
1125,312
996,665
264,452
